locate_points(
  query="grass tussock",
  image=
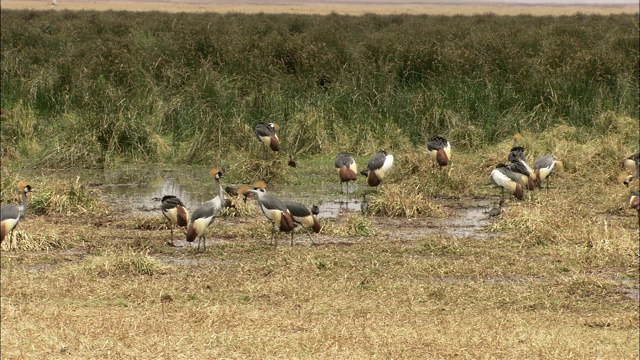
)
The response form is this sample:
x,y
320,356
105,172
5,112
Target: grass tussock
x,y
110,264
354,225
57,197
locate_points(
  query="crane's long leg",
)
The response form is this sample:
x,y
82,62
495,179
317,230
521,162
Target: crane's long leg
x,y
547,184
309,233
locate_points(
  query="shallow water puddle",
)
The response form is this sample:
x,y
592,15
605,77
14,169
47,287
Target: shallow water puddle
x,y
136,188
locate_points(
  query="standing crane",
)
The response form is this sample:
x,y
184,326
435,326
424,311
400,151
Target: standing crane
x,y
175,212
267,134
516,139
440,150
543,168
347,169
11,214
634,175
204,216
303,217
630,164
518,164
273,208
299,212
506,179
634,200
378,166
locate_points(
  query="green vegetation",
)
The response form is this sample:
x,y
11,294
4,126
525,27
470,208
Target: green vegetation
x,y
93,89
555,276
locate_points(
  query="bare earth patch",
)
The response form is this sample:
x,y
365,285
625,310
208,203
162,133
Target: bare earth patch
x,y
353,7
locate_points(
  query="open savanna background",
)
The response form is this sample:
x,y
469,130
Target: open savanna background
x,y
558,278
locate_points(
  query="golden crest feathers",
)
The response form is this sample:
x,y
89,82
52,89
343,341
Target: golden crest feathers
x,y
260,185
22,184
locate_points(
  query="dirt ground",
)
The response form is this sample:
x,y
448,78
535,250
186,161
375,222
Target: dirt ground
x,y
350,7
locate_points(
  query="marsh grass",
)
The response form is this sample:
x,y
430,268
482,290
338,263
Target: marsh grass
x,y
186,88
558,278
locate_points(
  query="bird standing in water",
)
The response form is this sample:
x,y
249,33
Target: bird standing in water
x,y
11,214
378,167
267,134
347,169
207,212
175,212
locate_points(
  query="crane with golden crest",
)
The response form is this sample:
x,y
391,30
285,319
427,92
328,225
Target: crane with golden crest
x,y
11,214
204,216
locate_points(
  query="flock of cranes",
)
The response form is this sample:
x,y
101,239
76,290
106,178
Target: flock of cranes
x,y
514,177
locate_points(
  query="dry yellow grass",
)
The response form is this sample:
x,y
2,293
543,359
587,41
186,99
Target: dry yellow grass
x,y
311,7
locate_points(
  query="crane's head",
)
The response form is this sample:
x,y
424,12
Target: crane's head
x,y
517,137
24,186
260,186
216,173
274,126
244,190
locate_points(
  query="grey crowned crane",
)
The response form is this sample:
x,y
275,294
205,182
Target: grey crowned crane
x,y
506,179
11,214
267,134
440,150
518,164
273,208
299,212
543,168
630,164
347,169
303,217
175,212
634,175
516,139
204,216
634,200
378,167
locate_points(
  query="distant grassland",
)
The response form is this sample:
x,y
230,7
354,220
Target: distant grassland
x,y
96,89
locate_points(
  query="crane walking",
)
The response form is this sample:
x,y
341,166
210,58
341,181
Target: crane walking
x,y
204,216
11,214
